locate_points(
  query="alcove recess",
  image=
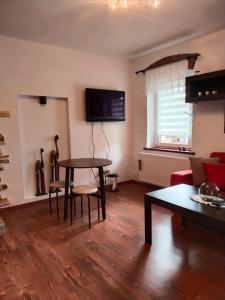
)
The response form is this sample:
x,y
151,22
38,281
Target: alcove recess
x,y
4,159
40,119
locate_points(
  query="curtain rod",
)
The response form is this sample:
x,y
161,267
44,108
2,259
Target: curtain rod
x,y
191,57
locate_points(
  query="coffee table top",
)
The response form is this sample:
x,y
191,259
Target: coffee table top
x,y
178,196
85,163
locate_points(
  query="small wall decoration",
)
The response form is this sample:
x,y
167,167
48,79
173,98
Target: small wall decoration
x,y
39,176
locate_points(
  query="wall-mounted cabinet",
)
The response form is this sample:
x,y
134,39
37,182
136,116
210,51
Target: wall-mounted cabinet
x,y
205,87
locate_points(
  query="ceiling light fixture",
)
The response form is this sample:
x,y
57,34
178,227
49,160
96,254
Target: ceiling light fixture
x,y
123,4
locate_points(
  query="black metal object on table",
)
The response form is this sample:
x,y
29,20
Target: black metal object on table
x,y
84,163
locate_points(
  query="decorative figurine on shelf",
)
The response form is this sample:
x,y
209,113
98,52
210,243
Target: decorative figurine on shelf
x,y
54,161
214,92
40,177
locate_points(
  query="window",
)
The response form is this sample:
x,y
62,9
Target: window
x,y
169,117
173,118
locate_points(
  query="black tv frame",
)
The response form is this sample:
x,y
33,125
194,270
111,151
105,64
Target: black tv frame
x,y
90,118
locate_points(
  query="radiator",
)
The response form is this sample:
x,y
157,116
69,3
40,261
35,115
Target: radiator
x,y
157,168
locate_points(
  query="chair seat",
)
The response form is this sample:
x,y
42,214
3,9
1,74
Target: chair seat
x,y
60,184
85,189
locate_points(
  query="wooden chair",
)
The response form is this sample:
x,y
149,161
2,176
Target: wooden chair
x,y
55,187
80,191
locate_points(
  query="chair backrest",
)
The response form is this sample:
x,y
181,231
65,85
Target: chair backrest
x,y
221,156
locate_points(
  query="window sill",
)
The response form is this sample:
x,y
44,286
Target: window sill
x,y
171,150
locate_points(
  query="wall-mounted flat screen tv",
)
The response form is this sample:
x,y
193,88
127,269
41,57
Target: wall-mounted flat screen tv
x,y
104,105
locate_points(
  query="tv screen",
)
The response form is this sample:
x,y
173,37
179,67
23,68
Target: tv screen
x,y
104,105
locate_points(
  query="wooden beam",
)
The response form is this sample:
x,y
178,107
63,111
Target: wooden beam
x,y
191,57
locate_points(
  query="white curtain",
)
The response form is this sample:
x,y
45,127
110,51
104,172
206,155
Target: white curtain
x,y
165,91
167,77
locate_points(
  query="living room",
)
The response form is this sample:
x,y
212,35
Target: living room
x,y
59,53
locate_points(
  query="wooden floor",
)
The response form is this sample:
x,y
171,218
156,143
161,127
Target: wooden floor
x,y
42,258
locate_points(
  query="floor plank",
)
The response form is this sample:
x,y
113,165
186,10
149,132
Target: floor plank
x,y
42,258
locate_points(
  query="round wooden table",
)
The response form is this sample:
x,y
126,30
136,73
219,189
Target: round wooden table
x,y
84,163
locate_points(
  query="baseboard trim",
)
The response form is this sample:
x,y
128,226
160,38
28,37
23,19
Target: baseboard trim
x,y
150,184
126,182
37,202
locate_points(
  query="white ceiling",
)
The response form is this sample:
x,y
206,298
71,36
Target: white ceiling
x,y
90,26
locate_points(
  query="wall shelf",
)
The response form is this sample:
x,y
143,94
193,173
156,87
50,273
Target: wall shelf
x,y
4,114
4,159
208,82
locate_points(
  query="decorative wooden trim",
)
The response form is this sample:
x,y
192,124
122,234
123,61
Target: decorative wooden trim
x,y
191,57
4,114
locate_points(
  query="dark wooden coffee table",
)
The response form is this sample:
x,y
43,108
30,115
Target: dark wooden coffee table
x,y
177,198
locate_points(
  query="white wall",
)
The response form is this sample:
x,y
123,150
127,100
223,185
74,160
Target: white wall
x,y
28,68
208,118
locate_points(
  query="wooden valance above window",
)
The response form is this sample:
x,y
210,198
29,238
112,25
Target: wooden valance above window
x,y
191,57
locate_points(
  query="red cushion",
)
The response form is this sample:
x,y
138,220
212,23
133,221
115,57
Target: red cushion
x,y
181,177
221,156
215,173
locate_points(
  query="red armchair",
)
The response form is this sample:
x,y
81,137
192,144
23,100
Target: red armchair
x,y
186,176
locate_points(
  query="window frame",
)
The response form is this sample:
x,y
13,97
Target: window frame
x,y
154,131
